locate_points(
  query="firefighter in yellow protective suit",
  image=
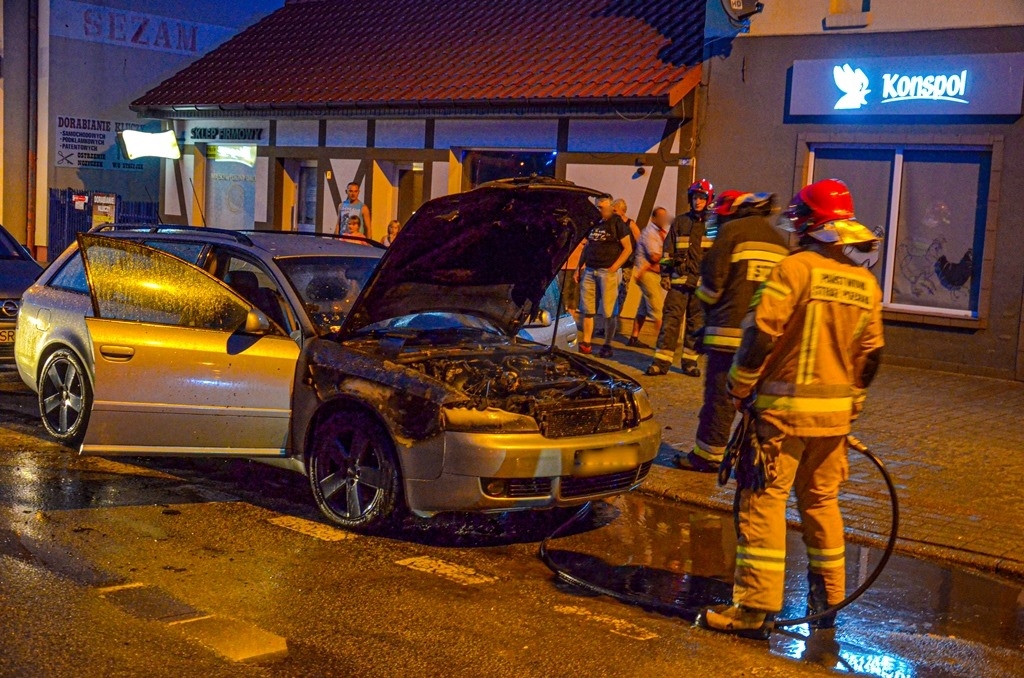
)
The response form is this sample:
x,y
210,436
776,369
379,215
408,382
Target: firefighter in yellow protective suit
x,y
811,345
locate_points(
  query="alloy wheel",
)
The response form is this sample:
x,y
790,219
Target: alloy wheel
x,y
65,397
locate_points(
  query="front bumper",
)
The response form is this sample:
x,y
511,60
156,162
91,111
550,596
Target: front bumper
x,y
533,471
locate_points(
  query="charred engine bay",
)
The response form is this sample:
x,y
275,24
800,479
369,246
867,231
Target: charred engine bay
x,y
526,381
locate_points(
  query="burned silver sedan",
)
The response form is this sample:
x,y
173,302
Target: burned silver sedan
x,y
420,397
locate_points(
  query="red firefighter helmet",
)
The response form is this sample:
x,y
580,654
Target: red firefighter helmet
x,y
725,203
701,186
732,203
824,211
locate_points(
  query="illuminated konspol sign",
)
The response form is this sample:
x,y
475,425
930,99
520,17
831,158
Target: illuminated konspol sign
x,y
960,85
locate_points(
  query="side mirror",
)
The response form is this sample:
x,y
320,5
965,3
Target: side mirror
x,y
542,319
256,322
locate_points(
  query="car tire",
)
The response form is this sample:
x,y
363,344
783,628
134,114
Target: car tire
x,y
352,471
65,397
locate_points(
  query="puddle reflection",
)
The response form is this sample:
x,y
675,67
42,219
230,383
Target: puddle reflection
x,y
919,618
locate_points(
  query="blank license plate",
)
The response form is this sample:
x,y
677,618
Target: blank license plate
x,y
606,460
6,336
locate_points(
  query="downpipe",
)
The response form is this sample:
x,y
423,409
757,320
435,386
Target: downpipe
x,y
852,442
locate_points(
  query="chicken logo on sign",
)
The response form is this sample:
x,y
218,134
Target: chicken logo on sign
x,y
853,84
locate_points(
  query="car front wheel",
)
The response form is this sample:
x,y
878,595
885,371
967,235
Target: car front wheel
x,y
352,471
65,397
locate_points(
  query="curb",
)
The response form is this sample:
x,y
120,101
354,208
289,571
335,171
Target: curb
x,y
658,484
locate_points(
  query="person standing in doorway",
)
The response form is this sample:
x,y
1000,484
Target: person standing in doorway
x,y
352,205
607,249
352,232
394,226
681,265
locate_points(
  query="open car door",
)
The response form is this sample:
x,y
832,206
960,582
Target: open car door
x,y
183,365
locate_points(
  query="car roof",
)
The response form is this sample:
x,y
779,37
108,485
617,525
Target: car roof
x,y
273,243
298,243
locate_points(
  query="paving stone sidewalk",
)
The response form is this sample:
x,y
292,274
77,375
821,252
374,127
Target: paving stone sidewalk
x,y
954,445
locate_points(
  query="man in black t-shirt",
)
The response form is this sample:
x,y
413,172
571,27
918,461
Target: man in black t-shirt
x,y
607,247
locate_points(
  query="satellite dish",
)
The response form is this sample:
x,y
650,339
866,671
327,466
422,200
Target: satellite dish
x,y
741,10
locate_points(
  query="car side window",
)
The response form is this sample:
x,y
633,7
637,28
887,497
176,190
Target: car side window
x,y
186,251
253,283
71,276
133,282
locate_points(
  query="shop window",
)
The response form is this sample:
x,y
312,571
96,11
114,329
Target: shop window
x,y
479,167
930,207
231,187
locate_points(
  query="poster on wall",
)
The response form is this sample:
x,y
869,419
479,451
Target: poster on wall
x,y
88,143
104,209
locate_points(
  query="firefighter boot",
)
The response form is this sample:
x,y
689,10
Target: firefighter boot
x,y
692,462
690,368
658,368
817,601
737,620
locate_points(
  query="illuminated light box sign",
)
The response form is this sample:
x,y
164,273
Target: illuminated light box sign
x,y
958,85
136,144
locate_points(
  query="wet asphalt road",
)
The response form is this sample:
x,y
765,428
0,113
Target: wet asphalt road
x,y
208,567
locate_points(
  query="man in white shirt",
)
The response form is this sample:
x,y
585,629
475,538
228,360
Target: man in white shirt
x,y
647,273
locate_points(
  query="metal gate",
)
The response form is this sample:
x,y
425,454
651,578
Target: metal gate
x,y
66,222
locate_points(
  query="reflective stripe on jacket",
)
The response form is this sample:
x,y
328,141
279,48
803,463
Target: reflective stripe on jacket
x,y
737,263
686,244
825,317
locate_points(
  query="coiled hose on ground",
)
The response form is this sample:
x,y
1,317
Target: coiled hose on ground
x,y
796,621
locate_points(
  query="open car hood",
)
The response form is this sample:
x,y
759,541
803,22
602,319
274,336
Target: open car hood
x,y
490,252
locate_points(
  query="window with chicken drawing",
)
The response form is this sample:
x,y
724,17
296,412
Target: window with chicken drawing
x,y
933,262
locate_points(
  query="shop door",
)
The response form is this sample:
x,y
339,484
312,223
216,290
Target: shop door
x,y
410,192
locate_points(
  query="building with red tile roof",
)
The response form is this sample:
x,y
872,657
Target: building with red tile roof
x,y
393,58
411,100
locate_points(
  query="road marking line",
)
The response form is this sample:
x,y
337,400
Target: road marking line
x,y
617,626
104,590
235,639
312,529
456,573
189,620
232,638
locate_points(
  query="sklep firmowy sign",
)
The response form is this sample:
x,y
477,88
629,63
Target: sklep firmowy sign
x,y
970,84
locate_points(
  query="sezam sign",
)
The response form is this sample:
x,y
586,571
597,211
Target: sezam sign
x,y
966,84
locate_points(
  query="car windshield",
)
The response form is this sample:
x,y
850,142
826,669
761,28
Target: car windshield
x,y
434,321
327,285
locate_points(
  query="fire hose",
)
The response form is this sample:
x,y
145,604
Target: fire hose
x,y
641,601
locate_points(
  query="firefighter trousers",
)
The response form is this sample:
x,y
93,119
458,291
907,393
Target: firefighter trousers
x,y
717,413
679,304
815,467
